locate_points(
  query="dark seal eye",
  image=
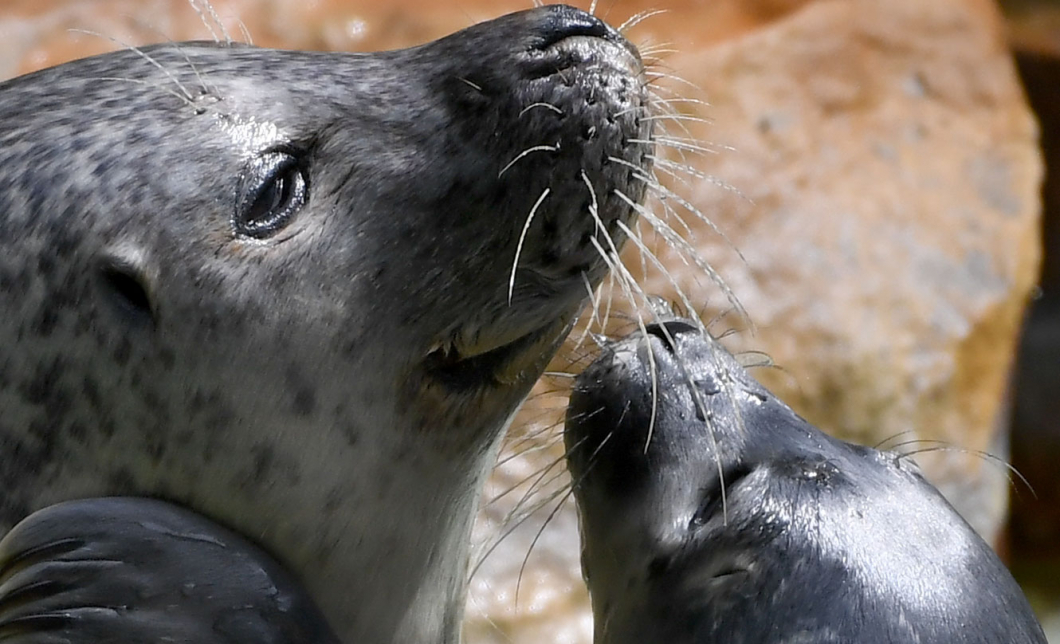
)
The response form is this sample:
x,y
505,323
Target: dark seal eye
x,y
275,187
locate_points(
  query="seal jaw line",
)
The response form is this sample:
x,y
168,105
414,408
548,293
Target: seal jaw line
x,y
501,366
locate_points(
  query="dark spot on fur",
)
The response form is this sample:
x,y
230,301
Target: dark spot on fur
x,y
121,481
264,459
122,351
46,320
351,432
305,401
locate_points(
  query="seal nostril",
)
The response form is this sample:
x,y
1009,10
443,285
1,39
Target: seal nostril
x,y
669,330
563,22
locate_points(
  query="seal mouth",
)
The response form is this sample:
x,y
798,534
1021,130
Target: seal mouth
x,y
464,366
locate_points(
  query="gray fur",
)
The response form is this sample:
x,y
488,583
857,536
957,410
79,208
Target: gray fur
x,y
291,388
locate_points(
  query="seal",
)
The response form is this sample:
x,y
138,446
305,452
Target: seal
x,y
730,519
303,293
137,570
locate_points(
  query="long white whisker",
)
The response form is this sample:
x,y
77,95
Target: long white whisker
x,y
522,238
536,148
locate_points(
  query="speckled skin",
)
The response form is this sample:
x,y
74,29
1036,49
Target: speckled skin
x,y
737,522
289,388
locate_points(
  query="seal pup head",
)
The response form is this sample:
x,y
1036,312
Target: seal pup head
x,y
737,521
138,570
302,293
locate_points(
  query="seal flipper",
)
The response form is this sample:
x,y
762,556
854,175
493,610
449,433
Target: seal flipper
x,y
126,570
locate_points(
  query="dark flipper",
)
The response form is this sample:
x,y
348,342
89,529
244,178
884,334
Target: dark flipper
x,y
129,570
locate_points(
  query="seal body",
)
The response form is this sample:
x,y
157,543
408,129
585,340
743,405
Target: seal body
x,y
277,287
731,519
138,570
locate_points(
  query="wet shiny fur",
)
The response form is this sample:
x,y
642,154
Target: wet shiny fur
x,y
732,520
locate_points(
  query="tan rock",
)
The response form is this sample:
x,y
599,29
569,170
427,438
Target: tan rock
x,y
885,201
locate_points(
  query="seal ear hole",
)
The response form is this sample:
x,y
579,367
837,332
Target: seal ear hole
x,y
275,188
126,288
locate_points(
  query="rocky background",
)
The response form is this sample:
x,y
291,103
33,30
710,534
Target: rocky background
x,y
876,172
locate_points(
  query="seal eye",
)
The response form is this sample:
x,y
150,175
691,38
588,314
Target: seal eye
x,y
275,189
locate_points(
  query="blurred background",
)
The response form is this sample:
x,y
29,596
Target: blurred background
x,y
886,179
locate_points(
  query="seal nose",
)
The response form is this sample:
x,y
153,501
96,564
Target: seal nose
x,y
668,330
563,21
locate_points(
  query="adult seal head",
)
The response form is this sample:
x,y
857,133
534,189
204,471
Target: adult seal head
x,y
277,287
729,519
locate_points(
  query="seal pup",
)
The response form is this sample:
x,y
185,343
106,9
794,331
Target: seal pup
x,y
116,569
730,519
277,287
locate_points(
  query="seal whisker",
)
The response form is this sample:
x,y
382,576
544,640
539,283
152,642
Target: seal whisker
x,y
595,308
162,68
943,446
209,18
532,443
536,148
678,117
203,86
655,54
469,83
645,251
638,18
683,145
689,253
672,77
551,472
522,239
883,442
247,38
691,208
537,480
511,526
540,104
678,170
563,496
626,281
139,81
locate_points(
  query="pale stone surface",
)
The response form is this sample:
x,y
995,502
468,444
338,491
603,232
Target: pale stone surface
x,y
884,173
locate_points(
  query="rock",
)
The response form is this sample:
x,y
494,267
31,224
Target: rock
x,y
888,222
884,176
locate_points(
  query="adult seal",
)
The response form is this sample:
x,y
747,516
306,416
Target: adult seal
x,y
729,519
276,288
